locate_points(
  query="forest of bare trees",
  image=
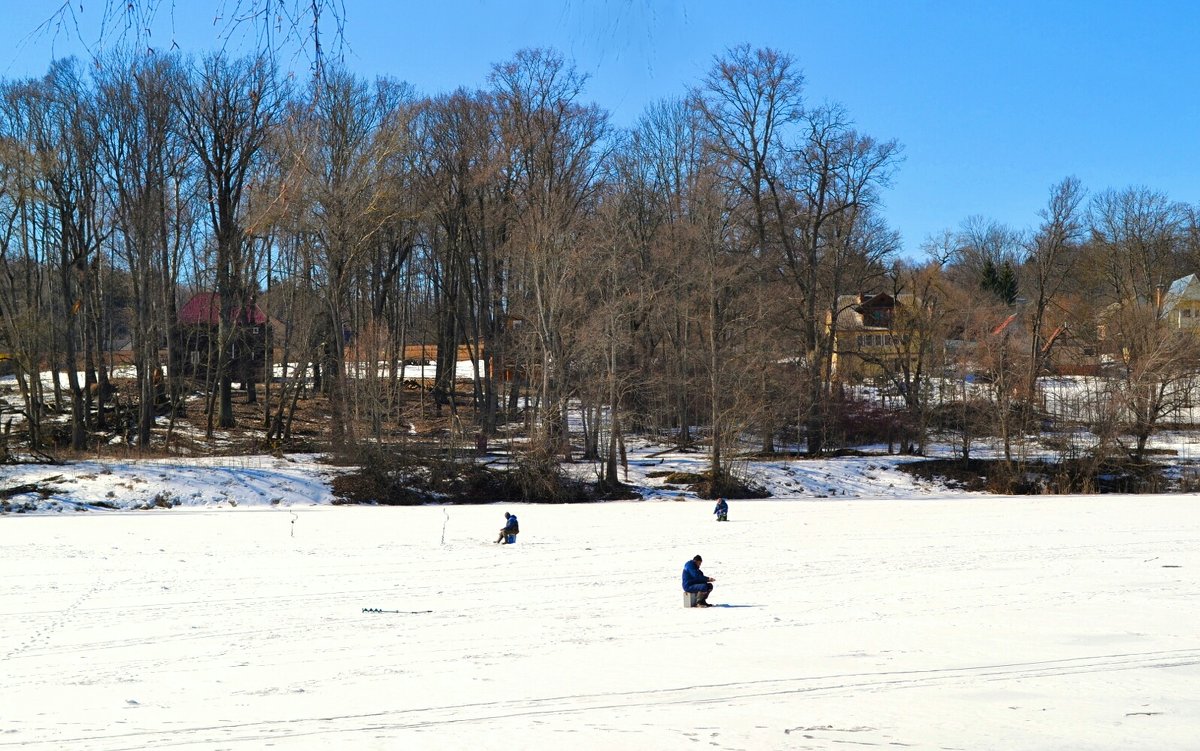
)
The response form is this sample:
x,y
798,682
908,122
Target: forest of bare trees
x,y
684,278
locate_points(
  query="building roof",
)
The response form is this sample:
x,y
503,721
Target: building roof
x,y
205,309
879,300
1004,324
1184,287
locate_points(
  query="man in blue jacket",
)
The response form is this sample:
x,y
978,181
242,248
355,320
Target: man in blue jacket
x,y
510,529
694,580
722,510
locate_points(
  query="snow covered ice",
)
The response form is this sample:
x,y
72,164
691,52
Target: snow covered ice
x,y
951,621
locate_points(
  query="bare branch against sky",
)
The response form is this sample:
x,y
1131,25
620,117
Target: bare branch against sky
x,y
311,29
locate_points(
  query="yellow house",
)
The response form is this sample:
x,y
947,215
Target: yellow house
x,y
866,342
1180,305
1177,308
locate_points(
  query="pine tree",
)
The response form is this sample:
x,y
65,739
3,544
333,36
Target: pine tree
x,y
1001,282
1007,287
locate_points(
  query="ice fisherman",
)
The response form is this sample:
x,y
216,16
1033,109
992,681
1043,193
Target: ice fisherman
x,y
722,510
510,528
694,580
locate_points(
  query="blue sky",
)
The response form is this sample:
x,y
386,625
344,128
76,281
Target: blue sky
x,y
992,102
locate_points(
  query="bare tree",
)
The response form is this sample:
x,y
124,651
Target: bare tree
x,y
25,260
228,109
1156,369
343,137
144,160
556,147
1049,264
841,244
468,196
666,173
66,151
978,245
1139,235
747,102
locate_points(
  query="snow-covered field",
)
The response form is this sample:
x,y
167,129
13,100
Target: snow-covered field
x,y
931,622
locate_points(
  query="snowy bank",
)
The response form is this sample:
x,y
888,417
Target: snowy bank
x,y
299,480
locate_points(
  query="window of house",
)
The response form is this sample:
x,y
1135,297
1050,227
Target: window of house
x,y
878,317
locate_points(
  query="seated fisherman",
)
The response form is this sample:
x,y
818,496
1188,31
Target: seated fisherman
x,y
694,580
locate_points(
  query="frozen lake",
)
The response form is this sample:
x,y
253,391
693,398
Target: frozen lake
x,y
966,623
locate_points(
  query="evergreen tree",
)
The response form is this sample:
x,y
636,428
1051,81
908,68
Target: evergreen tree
x,y
1000,281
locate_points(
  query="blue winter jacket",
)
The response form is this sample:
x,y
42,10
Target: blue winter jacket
x,y
692,575
511,525
722,508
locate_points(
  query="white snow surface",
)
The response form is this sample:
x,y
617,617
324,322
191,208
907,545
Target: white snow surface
x,y
884,615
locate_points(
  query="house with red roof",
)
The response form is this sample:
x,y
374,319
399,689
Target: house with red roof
x,y
197,337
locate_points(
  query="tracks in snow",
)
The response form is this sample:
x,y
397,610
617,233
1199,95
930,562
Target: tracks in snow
x,y
400,720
